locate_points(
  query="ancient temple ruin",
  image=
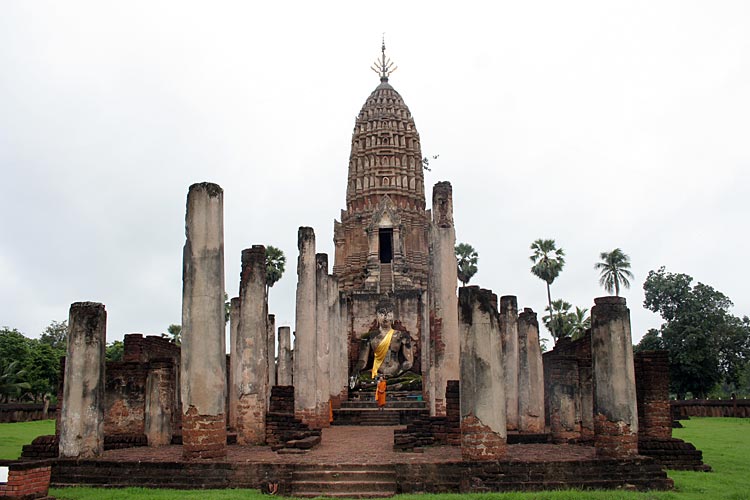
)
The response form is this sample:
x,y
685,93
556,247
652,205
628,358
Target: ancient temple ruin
x,y
464,370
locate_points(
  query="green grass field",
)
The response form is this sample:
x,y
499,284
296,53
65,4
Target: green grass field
x,y
725,443
14,436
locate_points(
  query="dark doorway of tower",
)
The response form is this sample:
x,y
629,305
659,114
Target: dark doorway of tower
x,y
386,245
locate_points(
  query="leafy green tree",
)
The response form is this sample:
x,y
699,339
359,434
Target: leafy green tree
x,y
115,351
614,270
466,262
650,342
548,262
706,344
56,335
275,264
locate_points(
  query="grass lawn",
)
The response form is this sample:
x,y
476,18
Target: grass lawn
x,y
725,443
14,436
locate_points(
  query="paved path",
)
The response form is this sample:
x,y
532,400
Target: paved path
x,y
356,445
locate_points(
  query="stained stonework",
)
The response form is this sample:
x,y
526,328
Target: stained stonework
x,y
381,241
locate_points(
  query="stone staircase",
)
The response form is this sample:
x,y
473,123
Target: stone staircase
x,y
402,408
344,481
386,278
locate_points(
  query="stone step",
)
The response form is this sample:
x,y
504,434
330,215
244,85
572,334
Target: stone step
x,y
348,481
391,404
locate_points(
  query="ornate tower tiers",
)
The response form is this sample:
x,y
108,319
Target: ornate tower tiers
x,y
382,239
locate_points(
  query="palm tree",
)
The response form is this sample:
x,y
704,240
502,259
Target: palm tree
x,y
548,262
275,261
578,323
11,381
557,319
466,262
614,270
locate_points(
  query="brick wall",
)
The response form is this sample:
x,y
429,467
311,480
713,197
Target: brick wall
x,y
25,412
26,480
429,431
652,389
739,408
125,397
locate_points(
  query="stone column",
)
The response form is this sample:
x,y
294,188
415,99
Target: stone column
x,y
509,337
322,333
306,405
652,387
338,352
530,375
271,338
483,428
82,415
443,331
203,353
615,407
234,324
564,399
159,403
250,353
285,356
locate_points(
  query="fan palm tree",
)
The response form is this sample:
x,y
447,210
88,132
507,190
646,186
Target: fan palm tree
x,y
614,270
275,262
557,319
548,262
578,323
466,262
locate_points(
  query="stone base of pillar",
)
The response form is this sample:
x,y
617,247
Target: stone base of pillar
x,y
614,439
479,442
203,436
251,420
561,428
531,424
315,418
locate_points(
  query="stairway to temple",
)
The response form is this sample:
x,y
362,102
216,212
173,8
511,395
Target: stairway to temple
x,y
402,408
344,480
386,278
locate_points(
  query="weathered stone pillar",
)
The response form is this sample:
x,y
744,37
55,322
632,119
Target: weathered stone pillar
x,y
322,334
509,337
652,388
234,324
203,353
530,375
615,407
564,398
306,406
285,356
250,353
82,416
483,428
338,352
271,338
159,403
443,331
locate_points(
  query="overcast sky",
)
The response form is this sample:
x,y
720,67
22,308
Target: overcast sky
x,y
597,124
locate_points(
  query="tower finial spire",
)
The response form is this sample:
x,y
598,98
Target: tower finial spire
x,y
384,67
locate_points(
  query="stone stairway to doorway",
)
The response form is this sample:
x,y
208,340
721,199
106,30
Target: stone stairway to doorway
x,y
386,278
402,408
344,480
